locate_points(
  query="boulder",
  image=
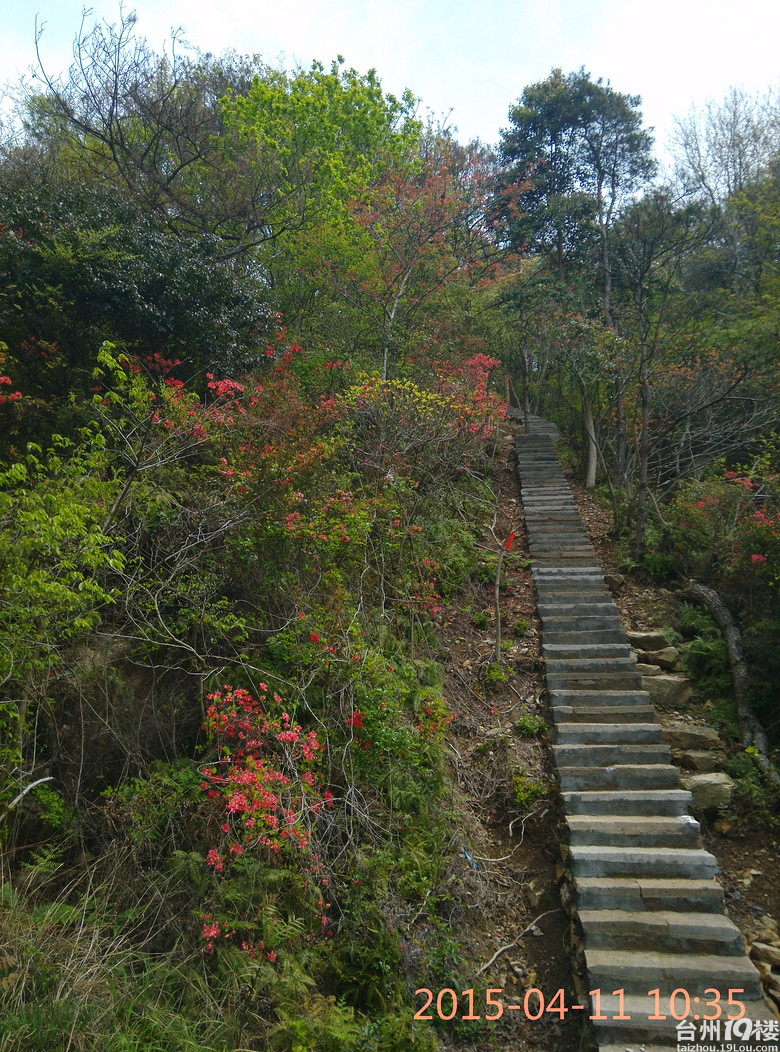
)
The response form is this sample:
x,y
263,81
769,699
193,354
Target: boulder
x,y
710,792
647,670
761,951
650,640
689,736
703,760
667,690
667,657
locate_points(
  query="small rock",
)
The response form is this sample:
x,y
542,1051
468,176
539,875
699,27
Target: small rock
x,y
763,969
689,736
647,670
761,951
648,640
703,760
667,657
772,986
666,690
614,581
710,792
769,922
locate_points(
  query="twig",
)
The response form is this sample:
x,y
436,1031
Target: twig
x,y
512,945
523,819
24,792
467,685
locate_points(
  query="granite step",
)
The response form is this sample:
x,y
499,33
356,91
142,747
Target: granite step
x,y
648,894
627,802
639,971
582,651
584,636
609,861
563,714
629,831
665,930
596,681
616,699
629,1021
606,755
608,733
568,608
619,776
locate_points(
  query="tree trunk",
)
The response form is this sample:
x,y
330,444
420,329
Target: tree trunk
x,y
621,459
643,453
526,405
753,733
587,416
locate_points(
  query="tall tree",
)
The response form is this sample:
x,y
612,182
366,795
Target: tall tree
x,y
582,146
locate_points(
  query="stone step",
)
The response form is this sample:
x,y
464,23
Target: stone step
x,y
550,594
553,535
584,622
624,661
664,930
561,558
608,733
576,629
607,612
563,714
639,971
627,802
592,573
626,1045
648,894
641,1030
570,593
557,534
627,831
573,544
605,698
568,608
619,776
591,652
604,755
566,578
609,861
586,637
581,679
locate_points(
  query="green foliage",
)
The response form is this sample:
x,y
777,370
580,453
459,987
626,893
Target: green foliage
x,y
221,588
753,793
725,531
494,677
528,791
56,566
521,627
481,619
530,725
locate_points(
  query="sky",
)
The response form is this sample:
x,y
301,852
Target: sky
x,y
467,60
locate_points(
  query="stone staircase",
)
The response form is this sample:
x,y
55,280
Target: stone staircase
x,y
644,897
